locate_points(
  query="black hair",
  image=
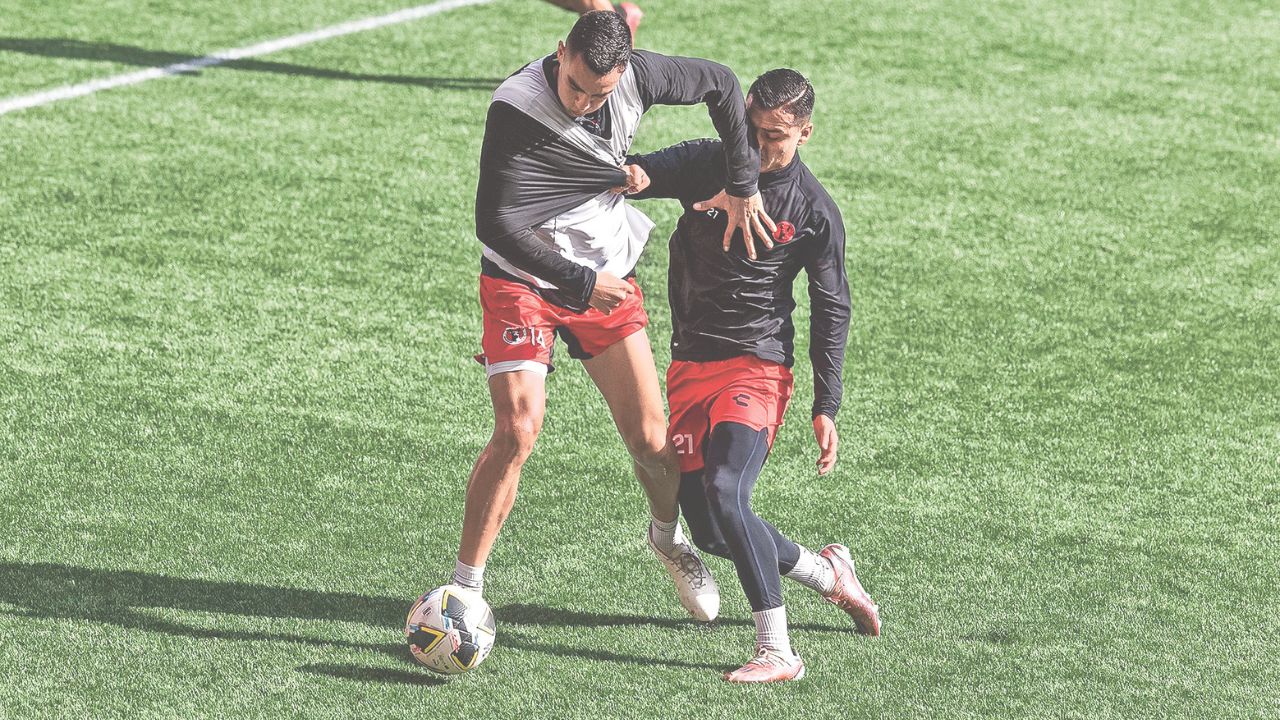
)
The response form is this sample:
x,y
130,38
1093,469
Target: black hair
x,y
783,88
603,40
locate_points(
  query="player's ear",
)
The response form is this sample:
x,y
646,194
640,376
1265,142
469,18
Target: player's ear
x,y
561,51
806,132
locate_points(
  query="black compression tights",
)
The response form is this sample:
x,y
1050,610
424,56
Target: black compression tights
x,y
716,504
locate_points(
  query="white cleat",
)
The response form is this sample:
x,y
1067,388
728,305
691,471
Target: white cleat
x,y
698,591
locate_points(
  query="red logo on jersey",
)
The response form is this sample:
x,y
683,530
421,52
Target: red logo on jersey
x,y
785,232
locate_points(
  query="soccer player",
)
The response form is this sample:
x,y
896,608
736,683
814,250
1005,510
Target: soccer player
x,y
559,258
731,347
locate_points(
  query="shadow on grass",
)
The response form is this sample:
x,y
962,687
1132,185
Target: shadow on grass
x,y
124,599
142,57
518,642
374,675
522,614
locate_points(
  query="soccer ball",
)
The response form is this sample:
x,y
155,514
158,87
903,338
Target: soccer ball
x,y
450,630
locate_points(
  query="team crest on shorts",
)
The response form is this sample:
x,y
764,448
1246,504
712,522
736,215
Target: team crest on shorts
x,y
521,335
785,232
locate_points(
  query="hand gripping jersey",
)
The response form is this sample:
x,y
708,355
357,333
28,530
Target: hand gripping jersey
x,y
543,207
604,233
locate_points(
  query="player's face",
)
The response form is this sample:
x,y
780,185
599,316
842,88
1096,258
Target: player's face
x,y
582,91
778,134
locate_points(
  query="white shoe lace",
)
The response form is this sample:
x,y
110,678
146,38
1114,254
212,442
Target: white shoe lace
x,y
767,657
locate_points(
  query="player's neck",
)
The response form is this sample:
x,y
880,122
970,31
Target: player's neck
x,y
783,173
551,69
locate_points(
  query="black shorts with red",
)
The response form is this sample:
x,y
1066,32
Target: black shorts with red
x,y
743,389
520,326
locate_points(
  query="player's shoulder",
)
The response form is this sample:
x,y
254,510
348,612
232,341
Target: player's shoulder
x,y
821,204
642,66
645,58
522,85
652,58
647,63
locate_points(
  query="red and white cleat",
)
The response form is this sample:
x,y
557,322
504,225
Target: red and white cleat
x,y
632,14
768,666
848,594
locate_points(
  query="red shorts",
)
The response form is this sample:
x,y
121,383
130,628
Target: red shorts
x,y
744,389
520,327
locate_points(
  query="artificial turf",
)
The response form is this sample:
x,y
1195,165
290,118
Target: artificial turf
x,y
238,405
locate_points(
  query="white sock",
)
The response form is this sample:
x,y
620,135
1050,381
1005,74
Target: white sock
x,y
771,630
814,572
468,577
666,535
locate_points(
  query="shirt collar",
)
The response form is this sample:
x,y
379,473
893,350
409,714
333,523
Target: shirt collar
x,y
551,70
783,174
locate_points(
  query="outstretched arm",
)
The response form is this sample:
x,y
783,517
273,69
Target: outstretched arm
x,y
666,80
686,171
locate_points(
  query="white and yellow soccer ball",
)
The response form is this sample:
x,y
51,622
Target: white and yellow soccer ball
x,y
450,630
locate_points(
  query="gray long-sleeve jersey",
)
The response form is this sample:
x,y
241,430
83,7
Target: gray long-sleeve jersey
x,y
537,163
724,304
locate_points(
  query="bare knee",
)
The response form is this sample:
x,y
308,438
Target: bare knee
x,y
519,402
514,435
647,444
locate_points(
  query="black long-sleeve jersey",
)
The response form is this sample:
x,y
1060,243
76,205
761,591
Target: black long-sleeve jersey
x,y
534,166
724,304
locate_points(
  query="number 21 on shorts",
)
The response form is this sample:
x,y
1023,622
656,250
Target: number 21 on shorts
x,y
683,443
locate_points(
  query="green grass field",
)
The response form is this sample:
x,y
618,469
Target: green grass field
x,y
238,406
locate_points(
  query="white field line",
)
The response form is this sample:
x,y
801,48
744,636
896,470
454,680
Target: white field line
x,y
67,92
